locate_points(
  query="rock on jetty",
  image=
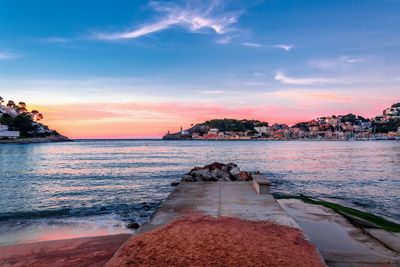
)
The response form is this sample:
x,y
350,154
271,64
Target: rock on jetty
x,y
217,171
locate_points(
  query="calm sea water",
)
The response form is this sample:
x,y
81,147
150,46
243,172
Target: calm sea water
x,y
62,190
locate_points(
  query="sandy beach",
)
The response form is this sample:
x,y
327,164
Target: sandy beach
x,y
88,251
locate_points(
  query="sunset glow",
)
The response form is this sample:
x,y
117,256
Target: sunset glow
x,y
139,70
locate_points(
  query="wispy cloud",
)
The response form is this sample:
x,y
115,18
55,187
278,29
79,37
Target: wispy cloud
x,y
300,81
55,40
342,62
212,92
285,47
255,83
252,45
8,56
194,17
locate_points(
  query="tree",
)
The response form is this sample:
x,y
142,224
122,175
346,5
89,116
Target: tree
x,y
349,118
1,100
8,120
24,123
22,107
36,115
390,126
11,104
39,117
397,105
302,126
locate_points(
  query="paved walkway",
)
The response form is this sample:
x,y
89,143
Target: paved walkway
x,y
339,242
236,199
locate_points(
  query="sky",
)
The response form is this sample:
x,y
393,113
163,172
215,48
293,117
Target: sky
x,y
136,69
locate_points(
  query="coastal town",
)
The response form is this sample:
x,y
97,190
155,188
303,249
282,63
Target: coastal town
x,y
342,127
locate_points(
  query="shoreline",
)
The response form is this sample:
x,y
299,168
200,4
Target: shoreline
x,y
50,139
222,140
84,251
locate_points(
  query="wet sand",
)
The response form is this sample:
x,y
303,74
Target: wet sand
x,y
87,251
223,241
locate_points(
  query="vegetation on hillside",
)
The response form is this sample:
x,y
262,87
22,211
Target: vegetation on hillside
x,y
18,118
352,118
390,126
227,125
397,105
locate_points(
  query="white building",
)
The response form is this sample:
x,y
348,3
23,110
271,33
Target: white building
x,y
213,131
11,111
5,133
263,130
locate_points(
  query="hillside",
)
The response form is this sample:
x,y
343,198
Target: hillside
x,y
227,125
334,127
16,122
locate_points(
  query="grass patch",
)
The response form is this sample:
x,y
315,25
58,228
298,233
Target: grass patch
x,y
347,212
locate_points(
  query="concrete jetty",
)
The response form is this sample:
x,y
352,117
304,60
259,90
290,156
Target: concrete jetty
x,y
231,199
338,241
217,199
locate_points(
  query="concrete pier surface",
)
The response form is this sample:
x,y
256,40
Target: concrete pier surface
x,y
216,199
229,199
341,243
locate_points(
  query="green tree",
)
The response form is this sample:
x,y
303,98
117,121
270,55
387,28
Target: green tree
x,y
22,107
11,104
24,123
397,105
36,115
8,120
390,126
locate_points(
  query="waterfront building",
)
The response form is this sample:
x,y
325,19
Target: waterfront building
x,y
213,131
5,133
263,130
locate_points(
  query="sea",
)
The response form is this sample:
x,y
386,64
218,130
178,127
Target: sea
x,y
56,191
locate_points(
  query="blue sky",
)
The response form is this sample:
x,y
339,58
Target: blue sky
x,y
307,57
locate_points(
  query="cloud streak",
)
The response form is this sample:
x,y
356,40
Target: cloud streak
x,y
255,45
283,78
285,47
212,92
194,18
8,56
342,62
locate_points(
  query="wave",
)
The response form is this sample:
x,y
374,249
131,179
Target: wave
x,y
126,211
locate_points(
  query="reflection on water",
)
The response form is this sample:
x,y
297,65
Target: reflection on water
x,y
51,182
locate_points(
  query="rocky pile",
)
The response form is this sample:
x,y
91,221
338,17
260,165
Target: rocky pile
x,y
217,171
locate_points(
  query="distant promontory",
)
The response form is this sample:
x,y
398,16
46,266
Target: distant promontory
x,y
334,127
18,125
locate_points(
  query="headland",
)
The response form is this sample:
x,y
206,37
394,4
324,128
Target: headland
x,y
20,126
